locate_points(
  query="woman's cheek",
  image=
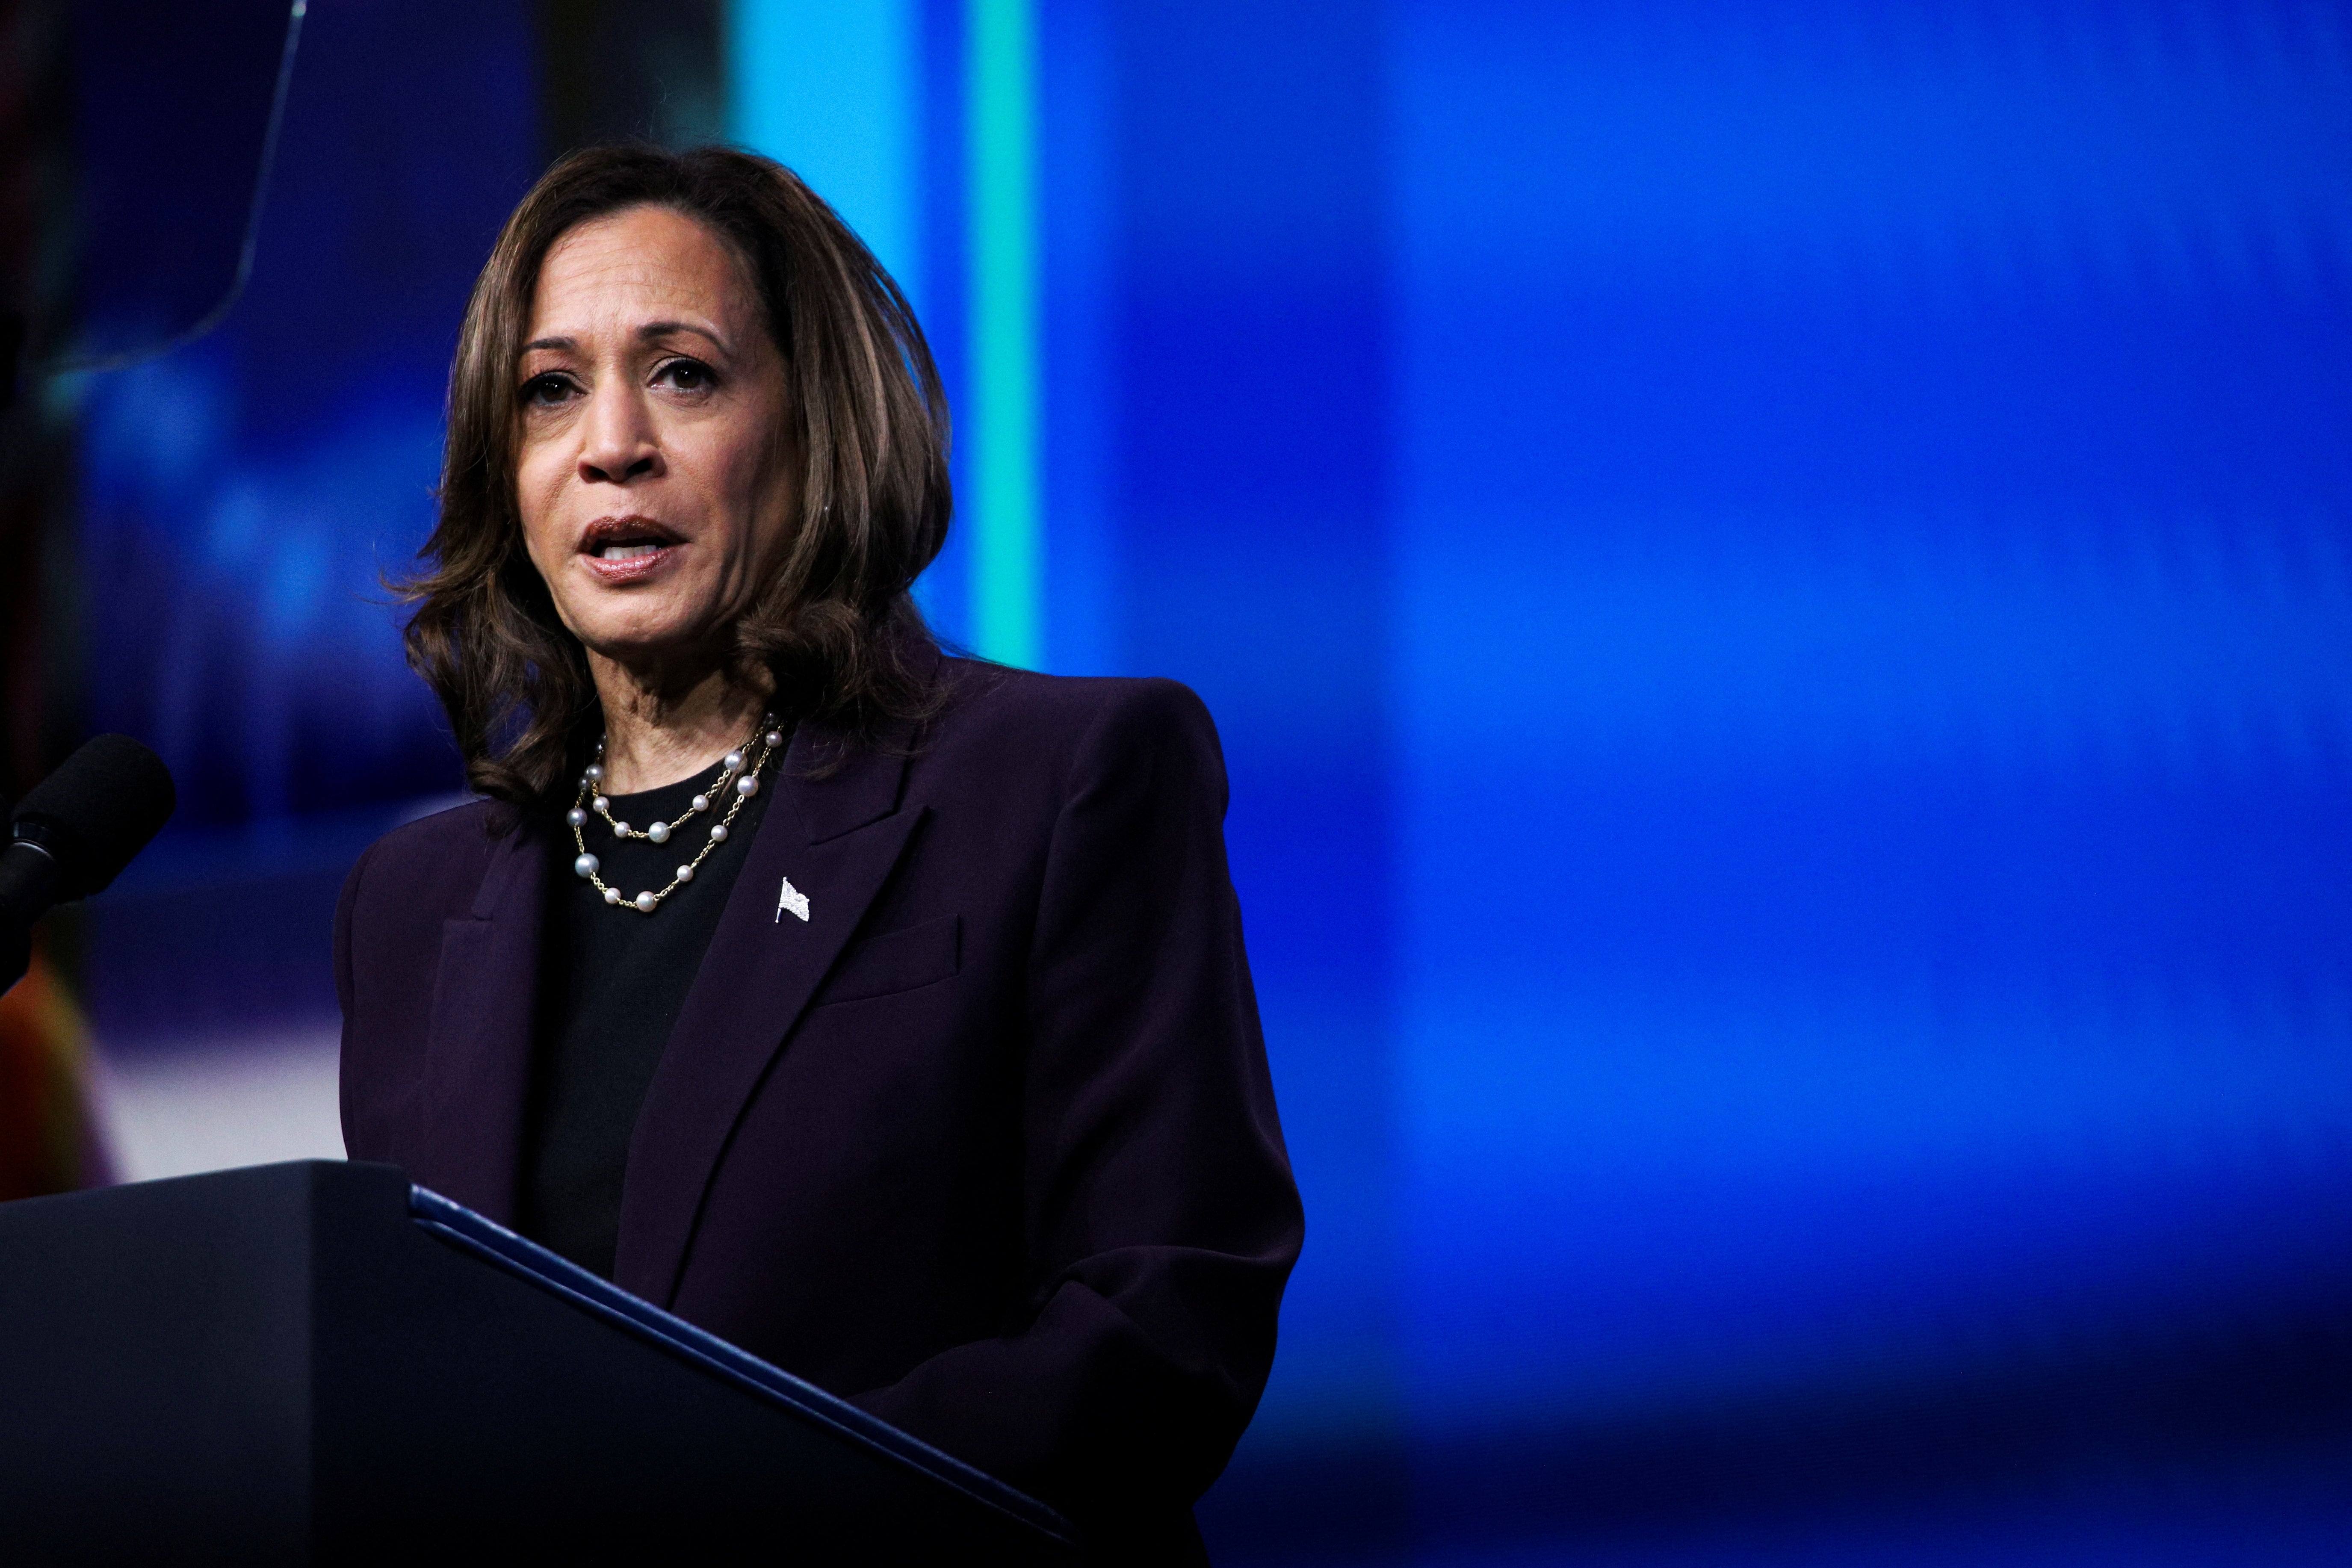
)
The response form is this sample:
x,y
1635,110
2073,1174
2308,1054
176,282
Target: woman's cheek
x,y
538,509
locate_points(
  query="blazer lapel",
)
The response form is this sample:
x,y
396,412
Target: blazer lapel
x,y
478,1054
836,838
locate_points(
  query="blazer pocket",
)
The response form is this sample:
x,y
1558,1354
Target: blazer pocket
x,y
896,961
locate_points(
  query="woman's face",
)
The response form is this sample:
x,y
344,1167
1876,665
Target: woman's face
x,y
652,473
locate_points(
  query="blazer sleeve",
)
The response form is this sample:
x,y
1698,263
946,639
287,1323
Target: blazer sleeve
x,y
1161,1216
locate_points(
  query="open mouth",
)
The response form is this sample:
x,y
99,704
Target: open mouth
x,y
627,543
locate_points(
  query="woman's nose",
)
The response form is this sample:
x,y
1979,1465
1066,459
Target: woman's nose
x,y
619,443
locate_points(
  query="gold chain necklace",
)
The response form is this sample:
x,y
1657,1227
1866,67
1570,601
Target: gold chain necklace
x,y
738,779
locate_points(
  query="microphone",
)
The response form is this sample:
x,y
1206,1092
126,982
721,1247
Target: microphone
x,y
75,832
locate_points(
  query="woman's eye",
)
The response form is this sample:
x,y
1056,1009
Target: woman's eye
x,y
541,390
686,375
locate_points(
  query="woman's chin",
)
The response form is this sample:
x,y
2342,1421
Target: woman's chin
x,y
644,642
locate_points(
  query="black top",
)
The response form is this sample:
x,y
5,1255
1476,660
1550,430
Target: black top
x,y
610,984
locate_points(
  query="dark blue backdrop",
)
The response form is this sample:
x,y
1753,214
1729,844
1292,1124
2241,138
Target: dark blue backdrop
x,y
1777,579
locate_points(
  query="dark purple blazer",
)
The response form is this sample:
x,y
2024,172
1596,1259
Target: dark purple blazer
x,y
986,1143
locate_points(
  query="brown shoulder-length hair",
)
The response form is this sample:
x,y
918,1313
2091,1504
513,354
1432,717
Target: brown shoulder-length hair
x,y
835,629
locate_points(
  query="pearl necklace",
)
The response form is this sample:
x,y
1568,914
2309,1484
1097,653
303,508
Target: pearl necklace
x,y
746,781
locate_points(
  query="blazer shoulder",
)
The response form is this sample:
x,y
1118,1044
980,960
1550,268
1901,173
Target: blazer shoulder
x,y
1048,739
1007,706
435,863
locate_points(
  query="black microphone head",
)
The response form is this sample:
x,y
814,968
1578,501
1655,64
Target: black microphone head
x,y
97,810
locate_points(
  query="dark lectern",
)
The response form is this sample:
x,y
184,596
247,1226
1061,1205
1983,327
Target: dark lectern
x,y
317,1362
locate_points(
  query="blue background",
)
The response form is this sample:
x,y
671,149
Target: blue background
x,y
1776,580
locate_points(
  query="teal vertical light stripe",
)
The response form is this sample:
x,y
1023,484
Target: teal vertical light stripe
x,y
834,92
1003,507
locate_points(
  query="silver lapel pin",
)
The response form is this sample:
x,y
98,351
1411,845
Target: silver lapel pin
x,y
790,898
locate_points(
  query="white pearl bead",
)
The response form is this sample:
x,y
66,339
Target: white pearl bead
x,y
658,832
774,737
718,833
586,865
611,895
621,827
732,760
600,805
595,772
685,873
577,818
747,786
645,902
702,803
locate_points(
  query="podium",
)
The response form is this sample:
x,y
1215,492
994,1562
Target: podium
x,y
317,1362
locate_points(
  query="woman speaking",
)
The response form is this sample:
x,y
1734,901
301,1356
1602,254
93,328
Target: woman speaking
x,y
882,1012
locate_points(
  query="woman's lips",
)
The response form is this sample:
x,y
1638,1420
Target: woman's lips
x,y
620,550
630,562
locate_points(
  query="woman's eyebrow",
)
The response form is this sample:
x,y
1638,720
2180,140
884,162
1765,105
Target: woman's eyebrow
x,y
654,330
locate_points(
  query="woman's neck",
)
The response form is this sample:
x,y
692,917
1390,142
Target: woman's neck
x,y
659,729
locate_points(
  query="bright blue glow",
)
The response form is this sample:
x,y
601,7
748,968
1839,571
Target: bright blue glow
x,y
832,92
1872,617
1002,391
1077,173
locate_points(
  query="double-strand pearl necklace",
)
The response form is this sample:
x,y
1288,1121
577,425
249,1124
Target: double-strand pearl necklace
x,y
737,779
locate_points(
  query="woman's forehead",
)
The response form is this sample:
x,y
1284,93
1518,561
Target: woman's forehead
x,y
640,267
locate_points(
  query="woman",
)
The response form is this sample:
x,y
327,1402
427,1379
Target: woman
x,y
882,1012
